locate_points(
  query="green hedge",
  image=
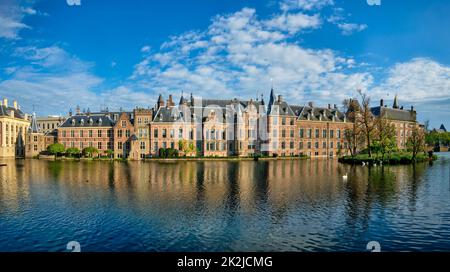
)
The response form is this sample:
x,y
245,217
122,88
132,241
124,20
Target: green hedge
x,y
396,158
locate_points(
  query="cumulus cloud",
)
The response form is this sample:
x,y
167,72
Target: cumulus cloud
x,y
238,55
287,5
11,19
348,28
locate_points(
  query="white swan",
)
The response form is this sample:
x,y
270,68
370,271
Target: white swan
x,y
363,163
345,177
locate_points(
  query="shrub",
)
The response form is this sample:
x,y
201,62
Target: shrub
x,y
73,152
56,149
89,152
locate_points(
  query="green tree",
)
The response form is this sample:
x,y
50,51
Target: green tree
x,y
73,152
109,153
56,149
416,142
90,152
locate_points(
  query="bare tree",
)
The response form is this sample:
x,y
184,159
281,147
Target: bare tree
x,y
385,134
416,142
365,120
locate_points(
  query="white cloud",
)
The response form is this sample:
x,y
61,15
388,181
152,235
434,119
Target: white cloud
x,y
11,17
239,53
419,80
348,28
287,5
145,49
293,23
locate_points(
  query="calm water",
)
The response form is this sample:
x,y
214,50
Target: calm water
x,y
223,206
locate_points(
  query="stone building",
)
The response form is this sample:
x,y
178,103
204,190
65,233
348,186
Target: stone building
x,y
13,125
35,139
49,124
87,130
403,120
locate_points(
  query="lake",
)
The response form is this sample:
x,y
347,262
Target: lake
x,y
283,205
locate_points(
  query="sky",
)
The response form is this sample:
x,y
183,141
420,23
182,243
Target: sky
x,y
57,54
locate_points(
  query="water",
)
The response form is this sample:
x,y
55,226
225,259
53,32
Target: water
x,y
223,206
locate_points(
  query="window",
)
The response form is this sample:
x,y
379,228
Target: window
x,y
283,121
316,144
139,120
292,134
300,145
108,133
310,133
91,144
172,133
180,133
331,145
324,144
172,145
283,145
142,145
275,133
155,133
127,133
213,134
283,133
99,145
338,133
275,121
109,145
317,133
81,145
35,138
191,134
324,133
35,147
72,144
63,133
302,133
99,133
119,145
292,122
291,145
124,123
90,133
155,146
164,133
81,134
331,133
309,145
72,133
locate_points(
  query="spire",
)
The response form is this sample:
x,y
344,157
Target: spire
x,y
182,99
34,127
395,106
272,100
262,99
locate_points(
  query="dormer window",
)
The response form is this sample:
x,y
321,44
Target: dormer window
x,y
73,122
100,121
91,121
82,122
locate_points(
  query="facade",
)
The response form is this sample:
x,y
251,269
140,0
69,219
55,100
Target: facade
x,y
13,126
402,119
49,124
35,141
87,130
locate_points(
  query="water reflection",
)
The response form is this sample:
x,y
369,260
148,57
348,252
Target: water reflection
x,y
218,205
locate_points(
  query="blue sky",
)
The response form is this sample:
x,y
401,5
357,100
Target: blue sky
x,y
124,53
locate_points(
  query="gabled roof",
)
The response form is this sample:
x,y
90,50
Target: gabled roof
x,y
318,114
394,114
5,111
88,121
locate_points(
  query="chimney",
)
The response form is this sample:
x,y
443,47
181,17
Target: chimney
x,y
381,103
335,106
412,108
5,102
280,98
329,106
15,105
311,104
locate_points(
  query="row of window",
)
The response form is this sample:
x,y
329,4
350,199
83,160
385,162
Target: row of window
x,y
89,133
309,145
172,133
82,145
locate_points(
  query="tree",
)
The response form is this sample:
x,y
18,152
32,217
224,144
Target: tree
x,y
109,153
186,147
56,149
73,152
365,120
416,142
90,152
353,136
385,135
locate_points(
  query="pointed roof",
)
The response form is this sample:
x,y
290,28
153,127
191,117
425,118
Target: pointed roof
x,y
160,98
272,99
395,106
443,128
34,127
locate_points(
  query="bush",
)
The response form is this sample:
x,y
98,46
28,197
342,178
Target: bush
x,y
168,153
89,152
56,149
73,152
